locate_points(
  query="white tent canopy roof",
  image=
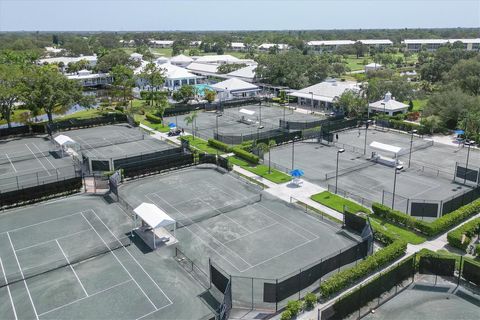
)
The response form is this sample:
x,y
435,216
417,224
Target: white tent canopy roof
x,y
153,216
64,140
246,111
385,147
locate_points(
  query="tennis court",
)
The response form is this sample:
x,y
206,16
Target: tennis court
x,y
72,259
225,219
427,301
27,162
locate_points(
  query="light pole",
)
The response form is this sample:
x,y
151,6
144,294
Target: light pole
x,y
216,121
366,131
397,168
260,120
411,145
469,142
336,170
384,113
311,102
293,151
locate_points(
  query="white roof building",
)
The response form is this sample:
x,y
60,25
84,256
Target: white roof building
x,y
372,67
181,60
195,43
160,43
205,69
316,43
92,60
323,94
388,105
53,50
88,79
370,42
433,44
175,76
267,46
237,45
246,73
225,58
235,88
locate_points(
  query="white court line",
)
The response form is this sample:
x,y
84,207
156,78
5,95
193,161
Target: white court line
x,y
92,149
203,229
38,223
46,158
8,289
6,155
168,305
123,266
78,300
23,277
134,259
225,215
252,232
71,267
47,241
41,163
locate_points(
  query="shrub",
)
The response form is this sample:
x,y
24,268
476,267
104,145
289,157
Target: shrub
x,y
377,260
477,250
401,218
469,229
294,306
246,145
310,300
219,145
286,315
153,118
245,155
120,108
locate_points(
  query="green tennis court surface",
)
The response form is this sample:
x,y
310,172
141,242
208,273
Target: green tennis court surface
x,y
72,258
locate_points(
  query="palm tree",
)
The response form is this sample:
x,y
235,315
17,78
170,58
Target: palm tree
x,y
190,119
267,148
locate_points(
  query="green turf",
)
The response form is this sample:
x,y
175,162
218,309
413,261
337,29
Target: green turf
x,y
201,145
355,64
337,203
399,232
84,114
419,104
261,170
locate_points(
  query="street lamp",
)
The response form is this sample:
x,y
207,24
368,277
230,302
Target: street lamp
x,y
367,124
293,151
336,170
311,101
260,118
397,168
384,113
469,143
411,144
216,122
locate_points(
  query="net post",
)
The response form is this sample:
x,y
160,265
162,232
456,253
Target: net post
x,y
460,269
276,295
210,273
253,304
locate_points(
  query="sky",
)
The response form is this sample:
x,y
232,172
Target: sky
x,y
200,15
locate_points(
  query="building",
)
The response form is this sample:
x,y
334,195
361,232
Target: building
x,y
92,61
377,43
175,76
160,43
181,60
373,67
246,73
416,45
388,105
88,79
237,46
235,88
268,46
322,95
195,43
203,69
127,43
328,45
51,51
217,59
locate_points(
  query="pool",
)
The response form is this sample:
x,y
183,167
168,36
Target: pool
x,y
201,88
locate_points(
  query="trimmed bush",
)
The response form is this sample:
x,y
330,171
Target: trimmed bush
x,y
246,145
310,300
286,315
401,218
469,229
294,306
247,156
348,277
153,118
477,250
219,145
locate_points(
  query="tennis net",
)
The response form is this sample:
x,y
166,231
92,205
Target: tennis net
x,y
218,211
70,260
15,157
110,142
344,171
423,144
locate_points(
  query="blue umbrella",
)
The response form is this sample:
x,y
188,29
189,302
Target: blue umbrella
x,y
297,173
458,132
172,125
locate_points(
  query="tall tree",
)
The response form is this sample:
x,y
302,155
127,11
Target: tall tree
x,y
191,119
10,90
154,77
184,94
466,74
48,90
116,57
352,102
123,79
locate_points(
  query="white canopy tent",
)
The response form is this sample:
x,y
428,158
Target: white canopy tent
x,y
63,140
389,161
247,112
67,144
155,220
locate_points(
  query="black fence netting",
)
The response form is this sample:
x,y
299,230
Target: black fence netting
x,y
40,192
128,160
109,118
178,109
207,158
460,200
436,265
374,292
471,272
354,222
156,165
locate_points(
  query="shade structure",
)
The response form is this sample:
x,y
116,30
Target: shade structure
x,y
247,112
385,147
64,140
296,173
153,216
459,132
172,125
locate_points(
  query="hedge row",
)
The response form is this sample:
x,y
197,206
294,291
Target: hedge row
x,y
469,229
245,155
407,126
153,118
219,145
348,277
440,225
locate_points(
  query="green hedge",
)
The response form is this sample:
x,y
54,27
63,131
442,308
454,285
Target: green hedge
x,y
439,225
469,229
153,118
245,155
219,145
348,277
407,126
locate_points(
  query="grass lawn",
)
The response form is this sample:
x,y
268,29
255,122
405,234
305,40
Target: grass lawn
x,y
156,126
356,64
419,104
84,114
15,117
261,170
337,203
201,145
401,233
